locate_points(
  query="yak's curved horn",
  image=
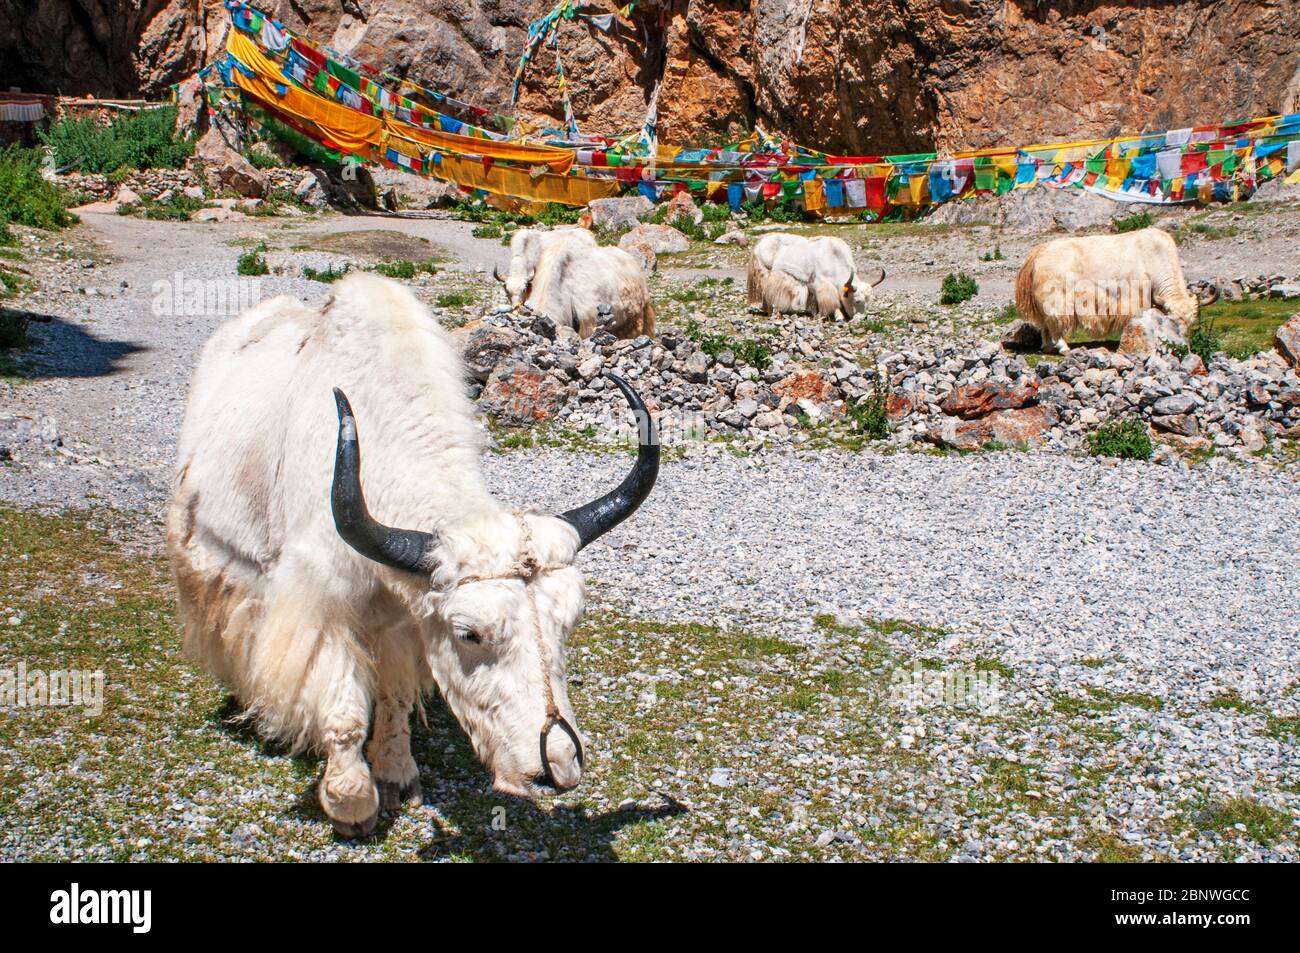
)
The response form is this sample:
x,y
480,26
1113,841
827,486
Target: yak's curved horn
x,y
880,279
1212,296
406,549
600,516
496,273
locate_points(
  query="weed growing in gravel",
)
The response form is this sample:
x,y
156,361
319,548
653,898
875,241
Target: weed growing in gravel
x,y
1132,223
958,288
994,255
756,352
1126,438
253,262
869,416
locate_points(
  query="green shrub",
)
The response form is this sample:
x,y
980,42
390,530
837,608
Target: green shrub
x,y
253,262
26,196
13,329
1126,438
994,255
1133,223
133,140
487,231
958,288
177,209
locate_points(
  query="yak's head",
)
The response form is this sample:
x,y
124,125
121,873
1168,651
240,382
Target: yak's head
x,y
502,598
855,293
518,286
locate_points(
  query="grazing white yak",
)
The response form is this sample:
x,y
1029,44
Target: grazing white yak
x,y
526,247
329,624
592,288
1099,283
790,274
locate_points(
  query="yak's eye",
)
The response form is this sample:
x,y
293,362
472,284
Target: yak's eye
x,y
469,635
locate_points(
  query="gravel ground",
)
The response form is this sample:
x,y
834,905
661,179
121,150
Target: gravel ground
x,y
1142,623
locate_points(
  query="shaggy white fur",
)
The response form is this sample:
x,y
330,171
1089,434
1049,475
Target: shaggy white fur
x,y
790,274
526,248
573,281
314,638
1098,283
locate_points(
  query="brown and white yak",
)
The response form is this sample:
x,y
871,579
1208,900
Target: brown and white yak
x,y
329,624
1097,284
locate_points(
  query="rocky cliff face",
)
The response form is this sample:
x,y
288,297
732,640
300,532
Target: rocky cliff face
x,y
846,75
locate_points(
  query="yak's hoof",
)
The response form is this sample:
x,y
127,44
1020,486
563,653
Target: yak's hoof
x,y
347,831
393,795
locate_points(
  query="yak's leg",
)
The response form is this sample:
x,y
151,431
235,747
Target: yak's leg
x,y
347,792
1062,346
396,774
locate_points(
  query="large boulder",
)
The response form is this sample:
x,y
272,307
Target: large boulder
x,y
519,394
1025,425
1150,332
225,169
682,207
1020,335
975,400
1287,341
619,213
659,238
484,346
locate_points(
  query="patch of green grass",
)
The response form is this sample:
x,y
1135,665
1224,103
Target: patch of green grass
x,y
487,231
326,275
1258,821
404,269
1283,727
984,663
1126,438
455,299
958,288
1092,662
1242,328
253,262
1133,223
1007,314
1110,849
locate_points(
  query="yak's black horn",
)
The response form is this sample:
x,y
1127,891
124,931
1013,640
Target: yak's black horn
x,y
600,516
406,549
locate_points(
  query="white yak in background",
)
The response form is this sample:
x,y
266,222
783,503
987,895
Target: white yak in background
x,y
328,623
790,274
591,288
526,247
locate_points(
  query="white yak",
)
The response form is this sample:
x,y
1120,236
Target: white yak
x,y
526,247
790,274
329,624
592,288
1097,284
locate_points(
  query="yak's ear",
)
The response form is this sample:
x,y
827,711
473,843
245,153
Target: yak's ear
x,y
848,289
